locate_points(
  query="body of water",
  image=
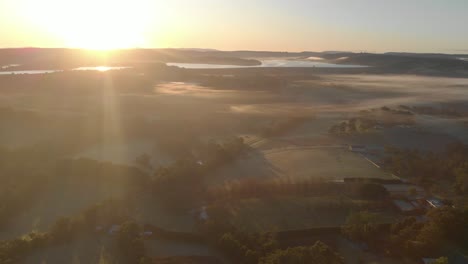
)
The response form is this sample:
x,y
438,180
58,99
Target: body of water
x,y
267,64
9,66
100,68
28,72
97,68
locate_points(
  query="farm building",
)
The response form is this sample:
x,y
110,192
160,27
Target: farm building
x,y
203,214
403,190
428,260
434,202
405,207
114,229
357,148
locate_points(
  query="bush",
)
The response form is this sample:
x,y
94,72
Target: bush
x,y
61,231
319,253
371,191
129,243
362,226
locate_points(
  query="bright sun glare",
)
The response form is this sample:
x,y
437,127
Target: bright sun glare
x,y
93,24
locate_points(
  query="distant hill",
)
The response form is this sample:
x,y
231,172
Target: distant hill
x,y
391,62
61,58
410,63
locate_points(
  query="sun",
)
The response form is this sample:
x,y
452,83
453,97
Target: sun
x,y
94,24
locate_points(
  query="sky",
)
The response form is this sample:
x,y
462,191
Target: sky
x,y
276,25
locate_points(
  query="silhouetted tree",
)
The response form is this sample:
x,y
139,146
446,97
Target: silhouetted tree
x,y
129,242
319,253
362,226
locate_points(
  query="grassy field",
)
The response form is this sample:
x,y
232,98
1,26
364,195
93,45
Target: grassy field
x,y
326,163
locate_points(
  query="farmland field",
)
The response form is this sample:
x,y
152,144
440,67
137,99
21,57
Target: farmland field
x,y
328,163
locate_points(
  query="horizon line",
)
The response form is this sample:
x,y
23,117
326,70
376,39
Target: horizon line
x,y
454,52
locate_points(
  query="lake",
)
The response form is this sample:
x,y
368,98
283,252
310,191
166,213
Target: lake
x,y
267,64
27,72
96,68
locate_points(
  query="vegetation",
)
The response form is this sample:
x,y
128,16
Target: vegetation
x,y
304,188
362,226
181,184
54,119
263,247
412,237
130,244
353,125
12,251
247,248
319,253
428,168
258,188
402,111
442,110
374,119
445,226
441,260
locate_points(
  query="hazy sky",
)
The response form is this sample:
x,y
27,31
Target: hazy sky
x,y
293,25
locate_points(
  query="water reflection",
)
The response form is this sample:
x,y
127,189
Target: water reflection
x,y
268,64
94,68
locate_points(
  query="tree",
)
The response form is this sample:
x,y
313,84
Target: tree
x,y
412,191
461,180
232,246
129,242
246,247
90,217
361,226
445,223
372,191
144,160
103,257
410,237
403,235
319,253
441,260
61,231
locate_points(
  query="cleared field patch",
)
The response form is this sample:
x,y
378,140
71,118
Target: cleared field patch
x,y
125,152
294,213
327,163
322,163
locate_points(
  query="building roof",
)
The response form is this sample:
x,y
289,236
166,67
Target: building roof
x,y
402,188
434,202
403,205
357,147
428,260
